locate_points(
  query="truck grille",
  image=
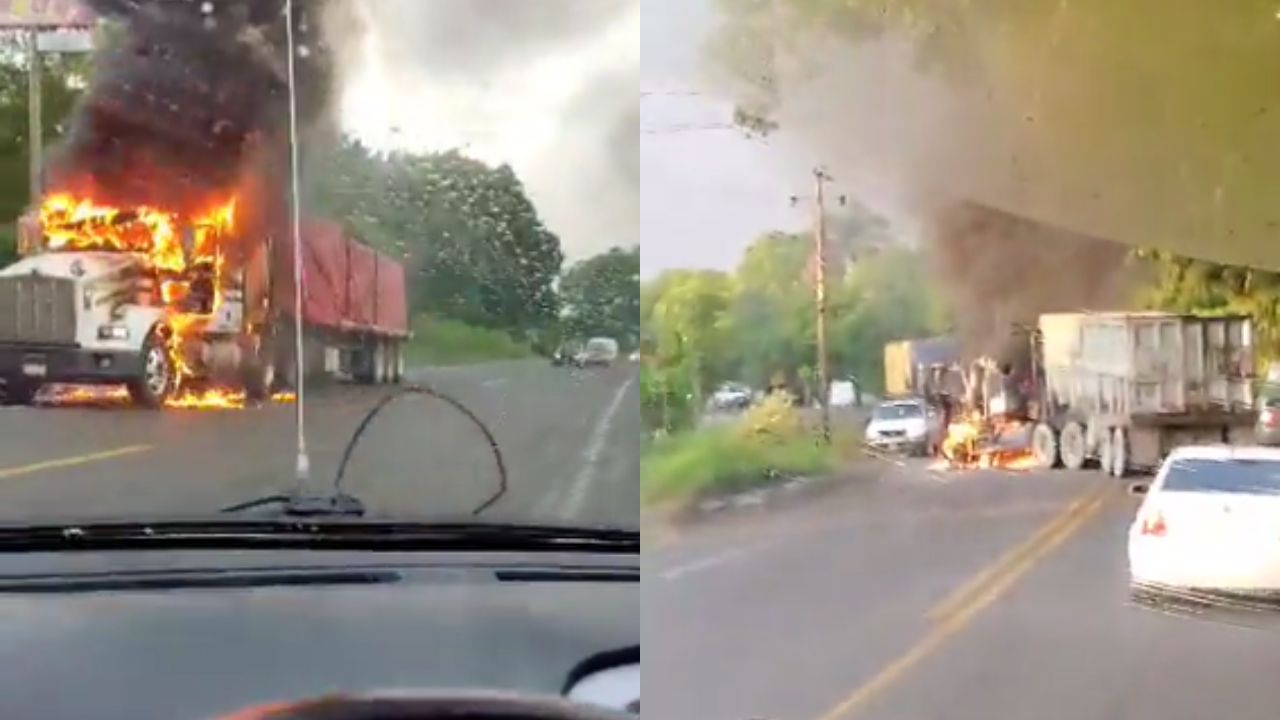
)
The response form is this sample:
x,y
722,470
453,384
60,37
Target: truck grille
x,y
36,309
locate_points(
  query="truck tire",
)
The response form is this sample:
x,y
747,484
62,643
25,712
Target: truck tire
x,y
285,369
156,380
1072,447
396,363
380,374
260,375
1104,451
20,392
1044,443
1119,452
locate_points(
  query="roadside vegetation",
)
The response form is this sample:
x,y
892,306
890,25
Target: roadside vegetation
x,y
756,325
768,443
442,341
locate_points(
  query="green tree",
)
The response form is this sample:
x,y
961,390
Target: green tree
x,y
601,297
772,316
887,297
688,325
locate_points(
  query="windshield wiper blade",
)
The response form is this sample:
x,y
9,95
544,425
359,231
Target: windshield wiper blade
x,y
322,533
335,505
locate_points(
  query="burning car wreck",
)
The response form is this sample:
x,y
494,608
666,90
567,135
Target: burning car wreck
x,y
160,255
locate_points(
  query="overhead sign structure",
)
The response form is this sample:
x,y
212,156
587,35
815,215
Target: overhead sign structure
x,y
45,14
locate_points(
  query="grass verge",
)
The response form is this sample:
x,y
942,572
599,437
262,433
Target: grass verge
x,y
441,341
717,460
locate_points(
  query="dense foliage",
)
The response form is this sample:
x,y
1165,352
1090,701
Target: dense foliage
x,y
757,324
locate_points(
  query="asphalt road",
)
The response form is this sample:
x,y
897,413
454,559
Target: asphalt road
x,y
912,594
570,438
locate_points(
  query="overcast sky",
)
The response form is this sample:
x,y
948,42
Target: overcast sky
x,y
707,192
547,86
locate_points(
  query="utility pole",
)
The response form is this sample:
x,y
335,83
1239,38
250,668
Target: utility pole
x,y
35,126
820,296
820,178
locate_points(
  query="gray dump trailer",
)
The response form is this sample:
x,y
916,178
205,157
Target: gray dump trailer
x,y
1123,389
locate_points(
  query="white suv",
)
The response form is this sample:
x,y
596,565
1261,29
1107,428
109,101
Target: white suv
x,y
911,424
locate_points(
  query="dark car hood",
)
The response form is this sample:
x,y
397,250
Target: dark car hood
x,y
174,652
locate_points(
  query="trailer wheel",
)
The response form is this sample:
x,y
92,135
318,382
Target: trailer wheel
x,y
1104,451
395,363
285,369
1072,446
260,376
1044,443
157,380
1119,452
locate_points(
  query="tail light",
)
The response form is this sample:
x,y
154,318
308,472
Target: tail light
x,y
1270,418
1153,524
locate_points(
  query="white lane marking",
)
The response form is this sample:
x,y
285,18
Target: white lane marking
x,y
708,562
591,456
494,382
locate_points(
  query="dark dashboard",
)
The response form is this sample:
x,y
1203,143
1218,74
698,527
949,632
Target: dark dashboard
x,y
200,633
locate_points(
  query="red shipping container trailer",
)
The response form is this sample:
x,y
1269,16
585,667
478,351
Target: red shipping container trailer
x,y
354,306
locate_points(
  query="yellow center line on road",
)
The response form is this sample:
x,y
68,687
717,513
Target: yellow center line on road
x,y
71,461
982,596
958,597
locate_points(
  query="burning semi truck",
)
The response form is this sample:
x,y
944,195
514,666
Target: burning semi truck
x,y
1116,389
186,309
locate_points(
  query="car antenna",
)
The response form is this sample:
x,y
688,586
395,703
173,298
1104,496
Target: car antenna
x,y
303,463
338,494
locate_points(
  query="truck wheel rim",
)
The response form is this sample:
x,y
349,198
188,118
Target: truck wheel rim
x,y
157,369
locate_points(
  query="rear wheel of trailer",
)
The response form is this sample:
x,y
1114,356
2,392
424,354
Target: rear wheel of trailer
x,y
1073,446
260,369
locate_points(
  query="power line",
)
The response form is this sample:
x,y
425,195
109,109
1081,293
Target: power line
x,y
671,93
689,127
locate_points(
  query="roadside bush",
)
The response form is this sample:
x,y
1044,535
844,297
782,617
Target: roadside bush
x,y
443,341
774,420
766,445
667,399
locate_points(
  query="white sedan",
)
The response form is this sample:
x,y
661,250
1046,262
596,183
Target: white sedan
x,y
1210,522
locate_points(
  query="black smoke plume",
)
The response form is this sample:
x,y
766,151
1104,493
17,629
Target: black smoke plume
x,y
188,96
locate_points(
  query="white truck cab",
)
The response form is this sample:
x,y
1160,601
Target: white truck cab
x,y
103,316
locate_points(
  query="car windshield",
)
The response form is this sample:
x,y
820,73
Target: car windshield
x,y
1240,477
898,411
233,218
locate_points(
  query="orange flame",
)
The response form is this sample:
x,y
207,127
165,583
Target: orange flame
x,y
71,223
968,446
